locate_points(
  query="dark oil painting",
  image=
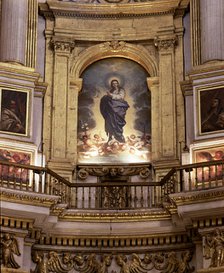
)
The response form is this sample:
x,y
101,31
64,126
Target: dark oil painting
x,y
114,113
18,157
14,111
212,110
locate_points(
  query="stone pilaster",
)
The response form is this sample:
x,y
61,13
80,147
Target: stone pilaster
x,y
75,87
167,107
60,100
13,31
153,85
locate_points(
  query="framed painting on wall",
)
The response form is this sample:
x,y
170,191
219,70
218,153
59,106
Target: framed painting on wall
x,y
211,110
207,154
14,111
114,113
12,155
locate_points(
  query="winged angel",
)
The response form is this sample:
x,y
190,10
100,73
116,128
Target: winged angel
x,y
9,247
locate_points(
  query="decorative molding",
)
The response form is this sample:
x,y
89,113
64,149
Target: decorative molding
x,y
158,241
137,53
89,9
28,198
208,222
18,223
198,197
129,216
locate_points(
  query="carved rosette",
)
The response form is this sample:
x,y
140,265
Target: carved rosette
x,y
165,43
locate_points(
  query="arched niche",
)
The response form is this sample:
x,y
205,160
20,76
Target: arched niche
x,y
136,53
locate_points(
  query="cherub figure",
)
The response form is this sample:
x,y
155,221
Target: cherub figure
x,y
9,247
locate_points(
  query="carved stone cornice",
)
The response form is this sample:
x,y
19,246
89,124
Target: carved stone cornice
x,y
112,242
113,171
165,43
198,197
28,198
12,222
89,9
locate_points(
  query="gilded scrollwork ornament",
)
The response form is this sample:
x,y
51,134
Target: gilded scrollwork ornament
x,y
9,248
113,171
66,262
93,263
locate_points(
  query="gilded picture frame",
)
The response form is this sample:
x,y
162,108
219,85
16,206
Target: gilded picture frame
x,y
210,110
207,154
14,111
17,156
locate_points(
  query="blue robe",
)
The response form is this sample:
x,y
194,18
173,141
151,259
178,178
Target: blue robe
x,y
114,112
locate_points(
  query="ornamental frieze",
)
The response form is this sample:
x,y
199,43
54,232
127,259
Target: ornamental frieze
x,y
105,1
67,262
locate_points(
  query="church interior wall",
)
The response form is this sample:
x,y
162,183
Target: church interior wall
x,y
166,40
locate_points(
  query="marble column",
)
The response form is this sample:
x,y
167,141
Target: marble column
x,y
212,30
13,31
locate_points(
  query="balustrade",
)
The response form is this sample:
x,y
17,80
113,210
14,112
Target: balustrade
x,y
112,195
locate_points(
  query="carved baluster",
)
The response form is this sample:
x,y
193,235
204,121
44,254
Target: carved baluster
x,y
83,197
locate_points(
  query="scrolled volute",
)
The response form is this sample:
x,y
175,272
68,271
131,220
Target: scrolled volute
x,y
114,171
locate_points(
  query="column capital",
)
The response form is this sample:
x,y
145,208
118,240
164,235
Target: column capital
x,y
165,42
62,45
